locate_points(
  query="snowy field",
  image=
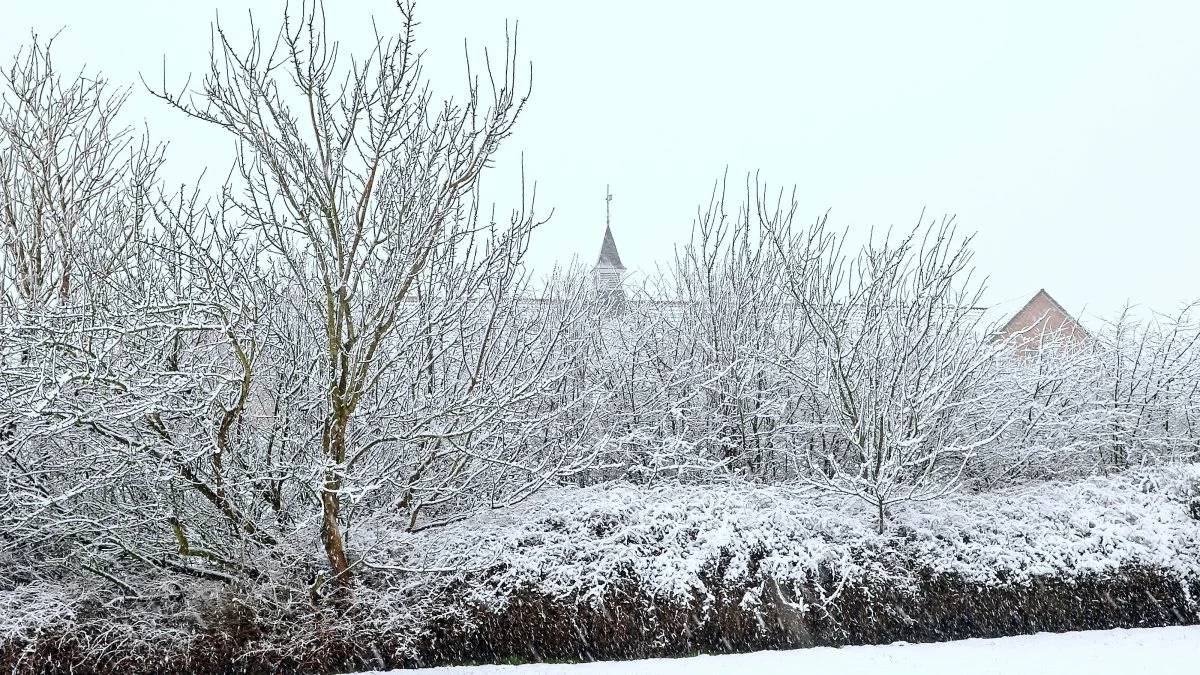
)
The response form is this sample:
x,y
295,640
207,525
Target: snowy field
x,y
1115,652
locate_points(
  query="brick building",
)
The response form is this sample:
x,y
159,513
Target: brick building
x,y
1041,321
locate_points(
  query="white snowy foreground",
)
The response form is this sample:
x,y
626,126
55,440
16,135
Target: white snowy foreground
x,y
1102,652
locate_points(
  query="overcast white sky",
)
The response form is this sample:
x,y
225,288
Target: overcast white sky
x,y
1065,134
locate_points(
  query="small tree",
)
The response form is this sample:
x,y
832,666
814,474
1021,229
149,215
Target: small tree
x,y
76,195
1150,387
737,318
896,361
75,188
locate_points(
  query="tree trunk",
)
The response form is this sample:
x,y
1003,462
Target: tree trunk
x,y
331,502
331,533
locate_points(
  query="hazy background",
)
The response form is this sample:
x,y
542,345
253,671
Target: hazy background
x,y
1067,135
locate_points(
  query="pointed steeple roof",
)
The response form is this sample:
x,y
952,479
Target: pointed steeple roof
x,y
609,258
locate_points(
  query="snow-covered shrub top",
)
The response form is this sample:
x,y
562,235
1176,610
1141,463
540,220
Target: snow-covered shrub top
x,y
671,541
30,609
667,540
1094,525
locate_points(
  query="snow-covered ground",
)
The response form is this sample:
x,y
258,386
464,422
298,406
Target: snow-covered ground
x,y
1115,652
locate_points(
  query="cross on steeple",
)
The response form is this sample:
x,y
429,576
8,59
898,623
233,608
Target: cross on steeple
x,y
607,207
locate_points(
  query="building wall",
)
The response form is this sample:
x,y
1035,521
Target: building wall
x,y
1042,320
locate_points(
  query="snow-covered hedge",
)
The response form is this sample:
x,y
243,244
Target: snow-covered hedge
x,y
581,542
712,550
618,570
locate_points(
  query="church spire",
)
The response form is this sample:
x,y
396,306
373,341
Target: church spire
x,y
609,272
609,257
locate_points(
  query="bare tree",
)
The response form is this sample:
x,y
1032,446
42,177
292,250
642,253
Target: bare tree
x,y
75,202
897,361
1150,387
340,341
737,319
74,185
361,186
1050,396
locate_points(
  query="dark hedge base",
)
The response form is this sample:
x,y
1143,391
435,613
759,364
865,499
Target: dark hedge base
x,y
534,628
537,628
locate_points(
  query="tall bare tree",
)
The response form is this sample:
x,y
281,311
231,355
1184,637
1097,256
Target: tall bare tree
x,y
362,184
